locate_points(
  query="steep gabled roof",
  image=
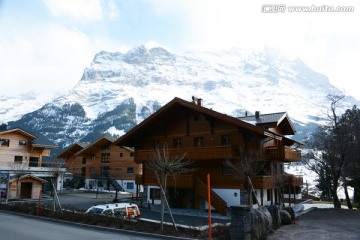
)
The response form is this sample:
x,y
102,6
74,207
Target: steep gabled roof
x,y
95,145
29,176
130,138
72,149
41,141
19,130
37,140
280,119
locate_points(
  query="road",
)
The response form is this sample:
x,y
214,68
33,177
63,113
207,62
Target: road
x,y
321,224
84,201
19,227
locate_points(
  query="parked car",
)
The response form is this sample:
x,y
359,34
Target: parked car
x,y
120,210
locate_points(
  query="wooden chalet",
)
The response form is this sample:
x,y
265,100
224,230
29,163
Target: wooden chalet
x,y
209,138
102,164
23,153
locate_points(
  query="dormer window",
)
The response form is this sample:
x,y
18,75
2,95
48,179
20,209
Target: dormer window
x,y
106,147
22,143
225,139
198,141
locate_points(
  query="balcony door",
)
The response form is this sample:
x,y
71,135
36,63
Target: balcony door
x,y
34,162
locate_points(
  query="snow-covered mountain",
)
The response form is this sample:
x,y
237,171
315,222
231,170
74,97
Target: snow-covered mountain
x,y
118,90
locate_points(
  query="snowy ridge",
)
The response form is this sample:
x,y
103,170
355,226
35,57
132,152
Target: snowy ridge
x,y
119,90
227,81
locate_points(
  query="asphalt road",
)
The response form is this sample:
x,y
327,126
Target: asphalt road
x,y
83,201
322,224
19,227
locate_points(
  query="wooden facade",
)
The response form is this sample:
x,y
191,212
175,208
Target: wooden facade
x,y
101,160
27,187
209,139
18,147
23,153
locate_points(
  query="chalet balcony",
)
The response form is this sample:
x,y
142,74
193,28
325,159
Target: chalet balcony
x,y
262,182
194,153
293,180
282,154
181,181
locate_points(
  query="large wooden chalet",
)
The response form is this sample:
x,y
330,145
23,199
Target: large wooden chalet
x,y
209,138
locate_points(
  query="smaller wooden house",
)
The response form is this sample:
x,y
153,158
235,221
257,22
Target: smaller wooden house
x,y
102,164
26,187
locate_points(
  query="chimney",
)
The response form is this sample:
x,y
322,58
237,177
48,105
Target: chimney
x,y
257,114
197,101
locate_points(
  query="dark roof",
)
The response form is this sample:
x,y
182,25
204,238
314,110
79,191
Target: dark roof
x,y
98,143
72,149
280,119
171,107
264,118
42,141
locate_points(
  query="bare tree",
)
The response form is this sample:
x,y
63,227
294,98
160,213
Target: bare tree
x,y
56,168
245,166
166,164
330,146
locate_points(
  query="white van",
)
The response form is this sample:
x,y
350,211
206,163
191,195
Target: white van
x,y
121,210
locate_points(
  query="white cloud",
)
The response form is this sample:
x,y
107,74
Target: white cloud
x,y
327,42
83,10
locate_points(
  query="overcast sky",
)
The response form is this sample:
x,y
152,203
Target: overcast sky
x,y
46,44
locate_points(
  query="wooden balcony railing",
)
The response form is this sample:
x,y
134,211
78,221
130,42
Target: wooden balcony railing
x,y
180,181
282,154
262,182
194,153
293,180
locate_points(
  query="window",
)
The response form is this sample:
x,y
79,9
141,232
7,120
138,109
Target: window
x,y
268,194
106,147
105,171
92,156
130,185
155,144
121,155
225,139
83,171
22,142
34,162
196,117
177,142
132,154
18,159
5,142
130,170
84,159
154,193
198,141
92,172
105,157
226,170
